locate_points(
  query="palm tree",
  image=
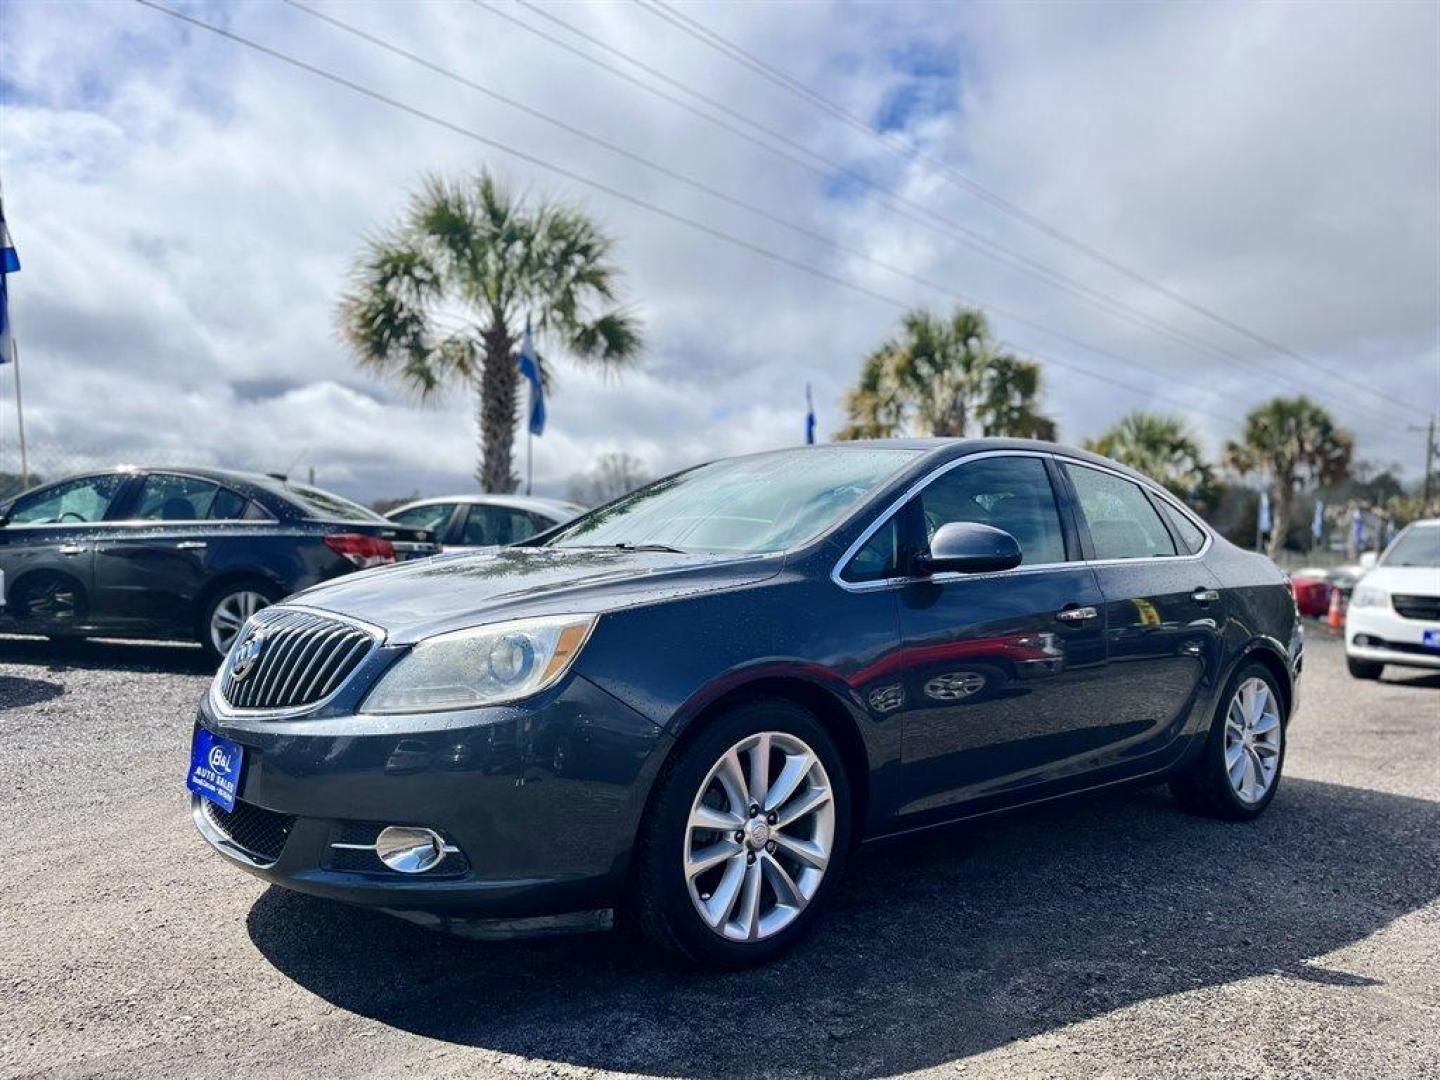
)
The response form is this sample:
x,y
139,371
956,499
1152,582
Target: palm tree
x,y
1292,441
1161,447
442,298
941,377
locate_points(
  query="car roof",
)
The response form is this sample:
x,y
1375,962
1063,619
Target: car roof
x,y
514,502
940,449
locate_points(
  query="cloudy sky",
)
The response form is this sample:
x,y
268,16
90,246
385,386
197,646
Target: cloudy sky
x,y
185,209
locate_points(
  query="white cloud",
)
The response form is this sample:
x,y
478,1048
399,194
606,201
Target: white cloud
x,y
186,209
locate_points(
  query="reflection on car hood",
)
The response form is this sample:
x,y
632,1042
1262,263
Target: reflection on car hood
x,y
414,600
1417,580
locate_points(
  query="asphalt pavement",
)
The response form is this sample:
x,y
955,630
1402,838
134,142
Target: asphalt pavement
x,y
1112,936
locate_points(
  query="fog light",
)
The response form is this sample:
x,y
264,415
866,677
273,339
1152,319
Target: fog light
x,y
409,850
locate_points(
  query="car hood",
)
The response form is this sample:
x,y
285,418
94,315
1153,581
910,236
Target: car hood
x,y
1415,580
415,600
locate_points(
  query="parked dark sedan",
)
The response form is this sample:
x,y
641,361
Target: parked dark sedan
x,y
178,553
689,705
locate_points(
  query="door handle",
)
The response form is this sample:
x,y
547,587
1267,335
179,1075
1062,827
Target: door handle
x,y
190,545
71,549
1204,596
1077,614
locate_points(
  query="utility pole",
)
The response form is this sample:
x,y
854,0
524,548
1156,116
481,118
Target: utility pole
x,y
1429,464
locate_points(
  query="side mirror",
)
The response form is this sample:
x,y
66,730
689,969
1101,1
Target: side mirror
x,y
1368,559
967,547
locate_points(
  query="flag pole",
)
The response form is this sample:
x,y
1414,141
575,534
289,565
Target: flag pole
x,y
19,415
529,453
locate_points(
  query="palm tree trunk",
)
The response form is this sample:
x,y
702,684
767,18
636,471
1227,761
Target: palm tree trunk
x,y
496,400
1284,496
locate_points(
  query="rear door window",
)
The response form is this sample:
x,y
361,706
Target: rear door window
x,y
488,525
166,497
1122,522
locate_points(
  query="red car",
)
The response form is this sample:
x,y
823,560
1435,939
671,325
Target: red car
x,y
1312,590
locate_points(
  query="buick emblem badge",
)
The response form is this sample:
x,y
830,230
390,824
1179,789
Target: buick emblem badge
x,y
247,655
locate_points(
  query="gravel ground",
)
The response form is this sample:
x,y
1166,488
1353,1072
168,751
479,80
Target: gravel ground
x,y
1111,937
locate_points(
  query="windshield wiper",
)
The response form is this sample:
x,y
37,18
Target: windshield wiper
x,y
624,545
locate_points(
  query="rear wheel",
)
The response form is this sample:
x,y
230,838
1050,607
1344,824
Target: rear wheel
x,y
1364,669
225,614
1238,771
746,839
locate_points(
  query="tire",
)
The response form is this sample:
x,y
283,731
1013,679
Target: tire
x,y
51,602
664,899
242,598
1364,669
1208,785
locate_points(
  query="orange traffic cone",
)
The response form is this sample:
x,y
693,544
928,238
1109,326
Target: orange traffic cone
x,y
1336,618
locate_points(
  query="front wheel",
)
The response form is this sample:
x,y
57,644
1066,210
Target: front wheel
x,y
746,839
1363,669
1238,771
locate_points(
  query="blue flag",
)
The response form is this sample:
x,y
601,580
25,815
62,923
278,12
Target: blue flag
x,y
1317,526
530,369
809,416
1265,520
9,264
1357,521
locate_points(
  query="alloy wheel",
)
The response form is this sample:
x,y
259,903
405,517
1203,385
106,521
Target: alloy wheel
x,y
1253,735
759,837
230,615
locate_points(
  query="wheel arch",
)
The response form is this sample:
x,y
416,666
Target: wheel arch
x,y
810,694
228,578
15,588
1276,661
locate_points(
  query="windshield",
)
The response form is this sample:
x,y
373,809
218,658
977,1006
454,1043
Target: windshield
x,y
1418,545
327,507
768,502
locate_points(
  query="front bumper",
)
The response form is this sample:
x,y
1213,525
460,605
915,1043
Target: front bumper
x,y
1392,638
541,802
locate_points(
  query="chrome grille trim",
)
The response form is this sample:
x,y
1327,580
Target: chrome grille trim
x,y
308,656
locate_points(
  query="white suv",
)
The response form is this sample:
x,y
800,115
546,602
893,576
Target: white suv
x,y
1394,612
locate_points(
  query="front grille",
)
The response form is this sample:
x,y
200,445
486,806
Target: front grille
x,y
302,658
259,832
1417,607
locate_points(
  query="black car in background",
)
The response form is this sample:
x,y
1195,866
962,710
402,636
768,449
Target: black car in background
x,y
178,553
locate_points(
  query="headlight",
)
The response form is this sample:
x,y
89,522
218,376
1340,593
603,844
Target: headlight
x,y
1369,596
484,665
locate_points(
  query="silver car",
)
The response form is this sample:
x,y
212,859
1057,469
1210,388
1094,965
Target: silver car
x,y
463,522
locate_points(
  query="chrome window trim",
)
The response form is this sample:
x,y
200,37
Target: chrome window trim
x,y
925,481
225,709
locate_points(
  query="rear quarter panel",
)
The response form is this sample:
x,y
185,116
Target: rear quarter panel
x,y
1259,615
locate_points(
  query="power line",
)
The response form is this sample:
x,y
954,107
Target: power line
x,y
698,185
569,174
828,167
728,48
897,204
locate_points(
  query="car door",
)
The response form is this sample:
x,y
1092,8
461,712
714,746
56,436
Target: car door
x,y
1000,674
47,551
1163,607
152,568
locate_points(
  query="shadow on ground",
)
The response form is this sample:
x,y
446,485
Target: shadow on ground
x,y
63,654
16,693
935,950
